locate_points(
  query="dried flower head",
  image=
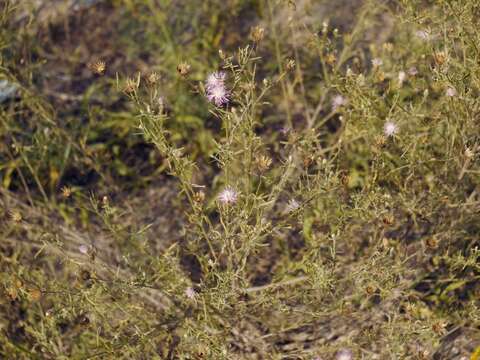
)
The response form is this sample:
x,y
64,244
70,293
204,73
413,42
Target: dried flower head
x,y
423,35
183,68
131,85
16,216
66,191
290,64
97,67
153,78
199,196
263,163
257,33
469,153
330,59
390,128
228,196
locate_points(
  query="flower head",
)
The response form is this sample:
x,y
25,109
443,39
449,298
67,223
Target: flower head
x,y
84,249
413,71
451,92
228,196
423,35
338,101
390,128
190,293
377,62
218,95
292,206
344,354
216,79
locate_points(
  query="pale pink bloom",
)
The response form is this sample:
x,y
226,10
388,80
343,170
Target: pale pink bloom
x,y
390,128
423,35
218,95
190,293
344,354
228,196
84,249
292,205
338,101
451,92
215,79
376,62
412,71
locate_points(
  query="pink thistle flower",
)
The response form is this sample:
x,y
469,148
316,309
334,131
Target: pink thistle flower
x,y
218,95
228,196
216,79
292,206
377,62
390,128
84,249
413,71
344,354
190,293
338,101
451,92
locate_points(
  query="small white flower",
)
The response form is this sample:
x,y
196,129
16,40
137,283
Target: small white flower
x,y
228,196
376,62
344,354
338,101
190,293
292,206
84,249
390,128
402,76
451,92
